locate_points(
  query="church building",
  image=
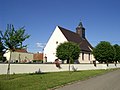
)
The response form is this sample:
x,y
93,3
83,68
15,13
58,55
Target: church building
x,y
61,35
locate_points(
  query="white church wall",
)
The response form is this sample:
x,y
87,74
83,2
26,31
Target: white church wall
x,y
50,48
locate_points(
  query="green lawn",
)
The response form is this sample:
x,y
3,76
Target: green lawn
x,y
44,81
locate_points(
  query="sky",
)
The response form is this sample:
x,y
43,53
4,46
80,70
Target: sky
x,y
101,19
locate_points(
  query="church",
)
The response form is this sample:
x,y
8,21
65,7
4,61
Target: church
x,y
61,35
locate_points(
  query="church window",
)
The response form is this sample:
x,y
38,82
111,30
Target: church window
x,y
56,42
82,56
89,56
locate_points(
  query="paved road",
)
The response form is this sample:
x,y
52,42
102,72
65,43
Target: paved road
x,y
109,81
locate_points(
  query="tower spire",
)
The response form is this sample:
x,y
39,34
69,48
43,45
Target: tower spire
x,y
80,30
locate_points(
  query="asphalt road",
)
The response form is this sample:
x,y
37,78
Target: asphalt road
x,y
109,81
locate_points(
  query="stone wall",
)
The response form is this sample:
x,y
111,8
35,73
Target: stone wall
x,y
32,68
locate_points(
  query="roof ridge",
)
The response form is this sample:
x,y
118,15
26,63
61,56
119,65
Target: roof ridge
x,y
61,28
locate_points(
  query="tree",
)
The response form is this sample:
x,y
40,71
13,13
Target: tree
x,y
13,39
68,51
2,48
117,50
104,52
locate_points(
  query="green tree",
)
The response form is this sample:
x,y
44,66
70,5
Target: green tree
x,y
104,52
13,39
2,51
117,50
68,51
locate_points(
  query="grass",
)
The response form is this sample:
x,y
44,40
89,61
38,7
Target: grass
x,y
46,80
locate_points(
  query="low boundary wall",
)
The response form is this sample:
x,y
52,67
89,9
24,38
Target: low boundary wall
x,y
32,68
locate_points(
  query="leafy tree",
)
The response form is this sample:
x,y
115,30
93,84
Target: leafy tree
x,y
2,48
104,52
13,39
68,51
117,56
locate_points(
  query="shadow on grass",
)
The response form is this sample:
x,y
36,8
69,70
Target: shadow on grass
x,y
38,72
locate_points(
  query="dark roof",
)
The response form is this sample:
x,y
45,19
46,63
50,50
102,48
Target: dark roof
x,y
74,37
85,45
21,50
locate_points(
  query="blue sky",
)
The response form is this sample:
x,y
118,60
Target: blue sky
x,y
101,18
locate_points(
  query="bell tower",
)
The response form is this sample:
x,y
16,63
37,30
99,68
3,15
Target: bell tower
x,y
80,30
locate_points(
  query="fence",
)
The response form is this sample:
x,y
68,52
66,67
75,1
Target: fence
x,y
32,68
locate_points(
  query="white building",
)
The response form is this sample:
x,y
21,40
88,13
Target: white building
x,y
61,35
20,55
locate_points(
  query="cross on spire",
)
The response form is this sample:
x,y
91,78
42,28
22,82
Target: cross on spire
x,y
80,24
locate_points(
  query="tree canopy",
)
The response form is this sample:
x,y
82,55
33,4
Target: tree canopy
x,y
117,49
13,39
68,51
104,52
2,51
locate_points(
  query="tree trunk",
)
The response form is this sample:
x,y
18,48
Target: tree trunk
x,y
94,62
107,63
115,63
8,69
69,65
67,61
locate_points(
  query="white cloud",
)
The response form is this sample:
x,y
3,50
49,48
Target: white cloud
x,y
40,45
